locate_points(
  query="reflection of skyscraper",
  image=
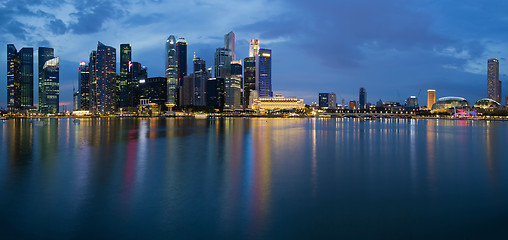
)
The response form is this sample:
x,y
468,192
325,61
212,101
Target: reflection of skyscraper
x,y
431,98
50,90
13,79
362,98
249,79
106,79
264,73
253,48
171,69
493,83
44,55
84,87
229,43
124,88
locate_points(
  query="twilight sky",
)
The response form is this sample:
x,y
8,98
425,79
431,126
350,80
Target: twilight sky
x,y
393,48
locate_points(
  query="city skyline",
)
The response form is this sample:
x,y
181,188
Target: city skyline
x,y
452,63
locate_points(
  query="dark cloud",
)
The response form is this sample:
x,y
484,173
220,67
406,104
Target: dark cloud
x,y
92,16
57,27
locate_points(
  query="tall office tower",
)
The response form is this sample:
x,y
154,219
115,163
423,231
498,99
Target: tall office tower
x,y
249,79
75,100
124,86
171,70
215,93
44,54
84,87
13,79
493,83
253,48
181,53
106,79
412,102
328,100
201,75
137,74
154,89
431,98
264,73
92,68
50,86
229,43
187,91
362,98
222,63
26,56
233,87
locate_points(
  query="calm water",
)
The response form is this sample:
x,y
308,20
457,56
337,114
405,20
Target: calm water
x,y
253,178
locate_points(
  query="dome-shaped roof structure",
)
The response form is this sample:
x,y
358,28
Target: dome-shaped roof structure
x,y
446,103
486,103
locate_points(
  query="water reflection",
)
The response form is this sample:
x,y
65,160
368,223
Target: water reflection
x,y
239,177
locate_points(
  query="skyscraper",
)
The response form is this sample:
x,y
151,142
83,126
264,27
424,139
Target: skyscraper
x,y
229,43
431,98
362,98
26,56
106,79
13,79
249,79
215,93
171,70
137,74
201,75
84,87
50,86
493,83
92,67
222,63
327,100
233,87
44,54
253,48
154,89
264,73
181,53
125,82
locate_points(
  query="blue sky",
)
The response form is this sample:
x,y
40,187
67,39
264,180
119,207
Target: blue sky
x,y
393,48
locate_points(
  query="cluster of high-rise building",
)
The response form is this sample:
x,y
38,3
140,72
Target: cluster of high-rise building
x,y
231,87
20,80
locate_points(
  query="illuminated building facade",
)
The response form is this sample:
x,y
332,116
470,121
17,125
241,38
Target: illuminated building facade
x,y
431,98
362,101
13,79
229,43
445,103
264,73
201,75
249,79
277,103
125,81
412,102
233,87
352,104
106,79
171,70
50,86
253,48
44,54
493,83
327,100
92,67
181,53
84,87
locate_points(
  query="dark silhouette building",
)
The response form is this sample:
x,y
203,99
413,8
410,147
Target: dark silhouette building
x,y
249,79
